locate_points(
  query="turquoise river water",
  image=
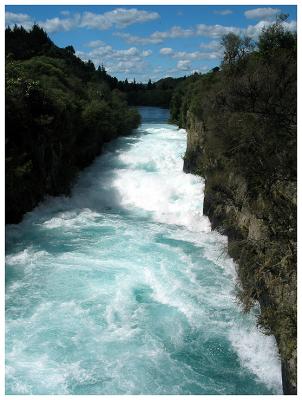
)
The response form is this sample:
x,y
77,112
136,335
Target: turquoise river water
x,y
123,288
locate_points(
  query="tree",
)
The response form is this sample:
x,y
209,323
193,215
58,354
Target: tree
x,y
235,47
59,111
277,36
70,49
231,43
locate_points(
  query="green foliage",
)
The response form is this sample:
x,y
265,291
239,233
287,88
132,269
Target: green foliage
x,y
156,94
59,112
236,48
277,37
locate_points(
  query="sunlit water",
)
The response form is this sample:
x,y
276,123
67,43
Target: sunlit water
x,y
124,289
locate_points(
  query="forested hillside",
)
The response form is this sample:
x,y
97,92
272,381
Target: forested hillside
x,y
59,112
156,94
241,124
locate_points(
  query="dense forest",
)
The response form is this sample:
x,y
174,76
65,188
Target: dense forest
x,y
59,112
241,122
152,94
158,94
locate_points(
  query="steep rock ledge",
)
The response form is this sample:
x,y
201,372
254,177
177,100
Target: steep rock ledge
x,y
255,241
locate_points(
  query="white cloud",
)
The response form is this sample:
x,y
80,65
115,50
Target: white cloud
x,y
254,30
184,65
212,45
146,53
65,13
211,31
215,31
60,24
18,19
97,21
157,37
139,40
191,56
166,51
50,25
123,17
204,68
83,56
133,51
119,18
195,55
263,13
107,52
174,32
95,43
223,12
125,61
291,26
126,67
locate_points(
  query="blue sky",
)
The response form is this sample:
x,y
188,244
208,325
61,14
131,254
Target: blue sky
x,y
145,42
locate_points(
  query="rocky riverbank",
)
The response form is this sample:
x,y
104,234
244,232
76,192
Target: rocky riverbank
x,y
265,256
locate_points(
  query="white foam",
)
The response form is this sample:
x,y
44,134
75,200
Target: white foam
x,y
100,275
259,354
170,195
21,388
166,293
25,256
70,219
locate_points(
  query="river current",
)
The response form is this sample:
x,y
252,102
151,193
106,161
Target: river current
x,y
123,288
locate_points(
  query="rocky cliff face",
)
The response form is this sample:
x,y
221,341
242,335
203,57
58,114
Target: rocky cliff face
x,y
257,242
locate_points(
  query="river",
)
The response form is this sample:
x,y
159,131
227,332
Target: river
x,y
123,288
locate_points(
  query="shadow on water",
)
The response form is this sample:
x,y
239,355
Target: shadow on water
x,y
93,189
154,115
93,193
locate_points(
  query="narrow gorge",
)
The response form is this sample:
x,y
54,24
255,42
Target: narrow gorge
x,y
151,228
123,288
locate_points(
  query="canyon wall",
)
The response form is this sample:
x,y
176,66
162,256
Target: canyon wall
x,y
261,239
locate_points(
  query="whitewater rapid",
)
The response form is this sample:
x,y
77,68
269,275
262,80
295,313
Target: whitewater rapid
x,y
123,288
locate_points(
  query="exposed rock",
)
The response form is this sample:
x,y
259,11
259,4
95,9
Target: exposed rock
x,y
261,252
